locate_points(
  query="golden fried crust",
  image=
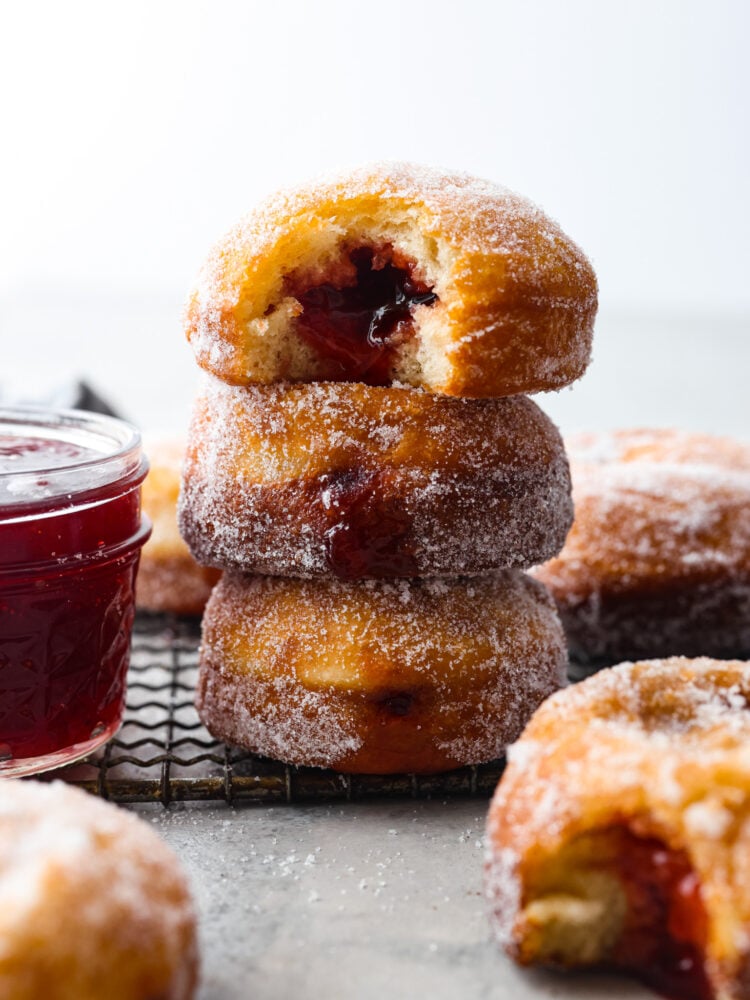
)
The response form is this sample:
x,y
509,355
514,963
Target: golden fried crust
x,y
352,480
516,297
169,579
660,749
377,677
92,903
658,559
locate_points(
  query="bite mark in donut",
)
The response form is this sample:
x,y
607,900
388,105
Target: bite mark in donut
x,y
360,314
450,283
664,938
632,902
618,834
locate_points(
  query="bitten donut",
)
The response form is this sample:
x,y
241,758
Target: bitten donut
x,y
350,480
169,579
396,273
92,903
377,677
658,559
619,835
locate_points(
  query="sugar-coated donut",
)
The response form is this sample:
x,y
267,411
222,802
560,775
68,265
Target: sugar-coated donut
x,y
658,560
377,677
169,579
349,480
93,904
396,273
619,835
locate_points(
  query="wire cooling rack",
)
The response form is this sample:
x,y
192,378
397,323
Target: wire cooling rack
x,y
163,753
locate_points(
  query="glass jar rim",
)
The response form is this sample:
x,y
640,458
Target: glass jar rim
x,y
116,442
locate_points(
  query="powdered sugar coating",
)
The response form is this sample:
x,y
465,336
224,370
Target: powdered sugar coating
x,y
658,560
516,297
450,486
377,676
176,586
661,748
92,902
169,579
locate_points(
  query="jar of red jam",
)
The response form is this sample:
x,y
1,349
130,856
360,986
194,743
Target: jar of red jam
x,y
71,532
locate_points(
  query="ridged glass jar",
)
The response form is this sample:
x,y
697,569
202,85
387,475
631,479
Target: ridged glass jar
x,y
71,532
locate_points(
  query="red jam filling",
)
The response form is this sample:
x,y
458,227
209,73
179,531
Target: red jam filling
x,y
666,931
24,454
67,574
358,321
366,536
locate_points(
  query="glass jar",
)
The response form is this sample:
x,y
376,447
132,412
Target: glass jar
x,y
71,532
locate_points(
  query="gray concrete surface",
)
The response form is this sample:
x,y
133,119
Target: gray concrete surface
x,y
362,901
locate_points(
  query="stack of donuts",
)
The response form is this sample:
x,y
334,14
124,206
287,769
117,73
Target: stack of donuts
x,y
365,469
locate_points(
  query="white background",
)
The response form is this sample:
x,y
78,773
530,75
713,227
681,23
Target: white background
x,y
134,134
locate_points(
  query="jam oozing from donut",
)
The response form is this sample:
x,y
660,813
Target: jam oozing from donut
x,y
365,536
357,321
666,930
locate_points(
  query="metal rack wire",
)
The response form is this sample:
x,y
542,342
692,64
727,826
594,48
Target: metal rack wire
x,y
163,753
